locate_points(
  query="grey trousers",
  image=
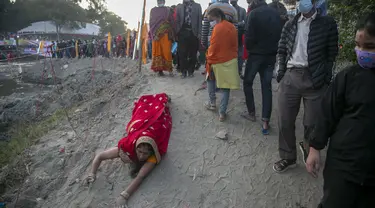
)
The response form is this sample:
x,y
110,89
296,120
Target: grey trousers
x,y
295,86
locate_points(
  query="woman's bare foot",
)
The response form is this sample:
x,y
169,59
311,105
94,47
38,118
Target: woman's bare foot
x,y
222,117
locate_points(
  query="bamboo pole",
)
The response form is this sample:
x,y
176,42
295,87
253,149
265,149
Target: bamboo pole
x,y
135,42
140,37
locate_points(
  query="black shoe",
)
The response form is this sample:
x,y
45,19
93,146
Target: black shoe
x,y
161,74
283,165
304,152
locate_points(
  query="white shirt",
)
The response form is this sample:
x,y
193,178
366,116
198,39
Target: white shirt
x,y
299,56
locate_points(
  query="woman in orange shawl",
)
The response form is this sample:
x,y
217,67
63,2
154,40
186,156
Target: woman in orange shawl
x,y
146,141
162,34
223,49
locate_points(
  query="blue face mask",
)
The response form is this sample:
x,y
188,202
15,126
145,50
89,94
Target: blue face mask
x,y
305,6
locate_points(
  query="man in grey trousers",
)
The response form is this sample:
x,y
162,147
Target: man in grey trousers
x,y
307,51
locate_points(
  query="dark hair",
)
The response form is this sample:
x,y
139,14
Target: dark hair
x,y
148,146
216,12
368,24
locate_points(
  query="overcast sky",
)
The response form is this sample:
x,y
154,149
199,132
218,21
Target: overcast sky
x,y
130,10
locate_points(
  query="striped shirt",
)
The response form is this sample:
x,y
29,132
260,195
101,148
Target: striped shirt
x,y
230,15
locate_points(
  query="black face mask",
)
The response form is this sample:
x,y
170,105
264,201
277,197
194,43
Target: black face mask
x,y
234,3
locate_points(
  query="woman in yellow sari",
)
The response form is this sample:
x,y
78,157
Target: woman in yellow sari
x,y
162,34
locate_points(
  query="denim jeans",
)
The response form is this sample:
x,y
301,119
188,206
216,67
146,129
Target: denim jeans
x,y
240,59
211,87
262,64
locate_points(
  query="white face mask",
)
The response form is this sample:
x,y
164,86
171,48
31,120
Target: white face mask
x,y
161,4
213,23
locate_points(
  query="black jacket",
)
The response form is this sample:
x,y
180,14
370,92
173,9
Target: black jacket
x,y
263,29
281,9
322,48
347,117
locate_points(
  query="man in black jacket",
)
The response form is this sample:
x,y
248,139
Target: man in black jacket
x,y
307,51
263,29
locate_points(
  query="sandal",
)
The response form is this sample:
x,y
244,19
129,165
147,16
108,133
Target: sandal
x,y
210,106
265,131
283,165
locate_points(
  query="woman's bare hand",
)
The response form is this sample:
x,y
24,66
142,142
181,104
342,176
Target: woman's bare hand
x,y
121,202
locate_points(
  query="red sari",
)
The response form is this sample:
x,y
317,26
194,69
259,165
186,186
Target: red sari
x,y
151,123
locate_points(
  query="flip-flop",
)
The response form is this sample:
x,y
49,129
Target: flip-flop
x,y
265,131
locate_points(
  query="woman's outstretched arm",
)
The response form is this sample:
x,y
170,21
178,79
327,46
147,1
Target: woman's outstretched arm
x,y
143,172
106,155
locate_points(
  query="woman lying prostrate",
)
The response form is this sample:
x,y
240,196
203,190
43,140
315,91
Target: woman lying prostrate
x,y
147,140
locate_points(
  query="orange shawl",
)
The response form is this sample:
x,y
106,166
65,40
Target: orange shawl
x,y
223,44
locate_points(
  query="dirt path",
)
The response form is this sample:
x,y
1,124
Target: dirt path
x,y
199,171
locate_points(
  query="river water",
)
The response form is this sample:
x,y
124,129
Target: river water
x,y
9,85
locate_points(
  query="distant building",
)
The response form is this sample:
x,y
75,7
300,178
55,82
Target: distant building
x,y
47,28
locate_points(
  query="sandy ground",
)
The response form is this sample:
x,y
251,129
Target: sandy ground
x,y
199,171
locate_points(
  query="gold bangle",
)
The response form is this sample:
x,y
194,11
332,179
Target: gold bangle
x,y
125,195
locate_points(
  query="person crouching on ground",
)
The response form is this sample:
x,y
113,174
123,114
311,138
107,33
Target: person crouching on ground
x,y
147,140
222,65
347,118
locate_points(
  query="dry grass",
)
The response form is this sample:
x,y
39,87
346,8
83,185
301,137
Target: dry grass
x,y
14,157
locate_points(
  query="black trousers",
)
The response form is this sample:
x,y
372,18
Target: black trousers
x,y
341,193
188,46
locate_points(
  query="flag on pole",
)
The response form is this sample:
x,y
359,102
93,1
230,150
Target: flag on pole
x,y
144,43
76,47
41,47
109,43
136,46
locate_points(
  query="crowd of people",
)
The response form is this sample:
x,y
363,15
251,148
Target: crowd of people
x,y
87,48
339,111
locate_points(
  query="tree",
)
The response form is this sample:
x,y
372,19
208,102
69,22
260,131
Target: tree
x,y
110,22
13,16
63,13
347,13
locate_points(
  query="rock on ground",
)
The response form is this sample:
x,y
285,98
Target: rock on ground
x,y
199,171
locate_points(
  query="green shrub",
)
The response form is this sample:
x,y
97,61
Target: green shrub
x,y
347,13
